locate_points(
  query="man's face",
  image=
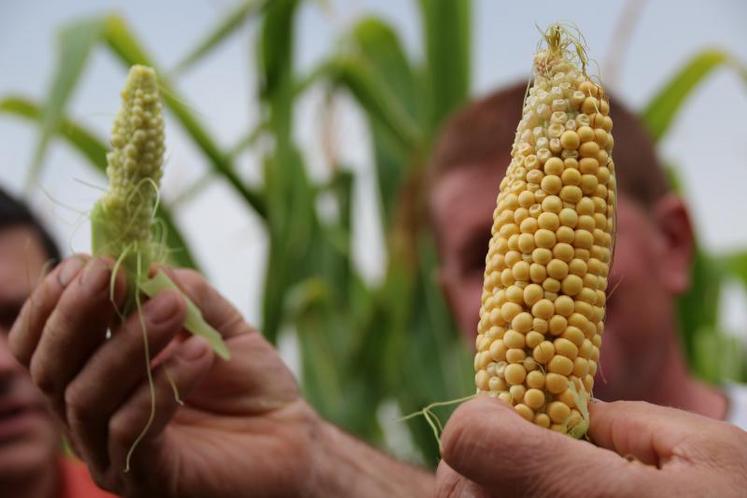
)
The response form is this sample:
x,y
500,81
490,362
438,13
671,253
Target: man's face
x,y
28,438
639,326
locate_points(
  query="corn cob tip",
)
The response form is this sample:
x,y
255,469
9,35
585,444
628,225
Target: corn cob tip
x,y
564,44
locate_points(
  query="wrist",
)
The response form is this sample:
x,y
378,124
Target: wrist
x,y
344,466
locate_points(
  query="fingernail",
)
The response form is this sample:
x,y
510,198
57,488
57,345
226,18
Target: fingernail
x,y
95,276
69,269
162,308
193,348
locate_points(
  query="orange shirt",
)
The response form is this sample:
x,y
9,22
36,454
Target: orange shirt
x,y
77,482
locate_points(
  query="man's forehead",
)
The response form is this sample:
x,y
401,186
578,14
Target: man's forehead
x,y
462,188
463,200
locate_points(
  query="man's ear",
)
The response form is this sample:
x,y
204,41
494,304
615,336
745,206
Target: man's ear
x,y
673,222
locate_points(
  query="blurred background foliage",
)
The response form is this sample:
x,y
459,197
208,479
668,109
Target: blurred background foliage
x,y
364,347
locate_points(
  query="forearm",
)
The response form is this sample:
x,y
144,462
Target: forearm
x,y
346,467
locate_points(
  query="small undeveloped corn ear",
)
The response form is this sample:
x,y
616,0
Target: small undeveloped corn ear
x,y
123,220
544,293
134,168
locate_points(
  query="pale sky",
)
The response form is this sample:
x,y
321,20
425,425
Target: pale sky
x,y
708,141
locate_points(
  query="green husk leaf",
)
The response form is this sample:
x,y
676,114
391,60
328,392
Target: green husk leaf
x,y
194,321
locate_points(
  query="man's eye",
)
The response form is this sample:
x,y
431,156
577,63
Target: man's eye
x,y
478,264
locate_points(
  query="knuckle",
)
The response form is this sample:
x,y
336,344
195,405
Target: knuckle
x,y
190,275
42,377
198,287
15,343
76,404
448,484
191,282
95,279
120,432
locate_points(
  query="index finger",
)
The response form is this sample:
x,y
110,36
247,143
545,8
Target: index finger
x,y
27,329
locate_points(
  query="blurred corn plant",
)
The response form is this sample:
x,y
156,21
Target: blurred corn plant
x,y
714,354
363,345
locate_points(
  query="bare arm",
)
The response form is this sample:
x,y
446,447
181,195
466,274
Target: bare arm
x,y
350,468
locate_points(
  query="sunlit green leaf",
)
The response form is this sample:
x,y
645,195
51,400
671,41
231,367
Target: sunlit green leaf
x,y
244,10
718,356
735,265
668,101
93,149
75,42
699,306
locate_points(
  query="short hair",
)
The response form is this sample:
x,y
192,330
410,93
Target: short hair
x,y
482,133
15,213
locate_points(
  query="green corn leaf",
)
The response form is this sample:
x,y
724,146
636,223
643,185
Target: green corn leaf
x,y
441,370
699,307
293,230
94,150
75,43
373,96
735,265
127,48
291,220
447,35
718,356
228,25
668,101
379,44
88,145
276,56
248,140
380,49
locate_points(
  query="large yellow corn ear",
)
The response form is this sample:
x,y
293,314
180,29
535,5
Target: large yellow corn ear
x,y
543,300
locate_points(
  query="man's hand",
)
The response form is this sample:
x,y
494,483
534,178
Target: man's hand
x,y
641,450
243,429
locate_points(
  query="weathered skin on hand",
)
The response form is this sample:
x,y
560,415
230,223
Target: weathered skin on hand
x,y
638,450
